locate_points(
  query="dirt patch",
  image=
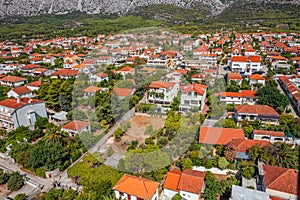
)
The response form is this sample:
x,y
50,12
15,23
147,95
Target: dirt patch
x,y
4,192
140,120
139,124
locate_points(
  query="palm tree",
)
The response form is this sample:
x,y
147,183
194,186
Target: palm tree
x,y
283,154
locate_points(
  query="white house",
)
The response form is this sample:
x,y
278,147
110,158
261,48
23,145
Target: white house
x,y
13,81
257,79
208,60
239,64
17,112
271,136
34,86
262,113
135,188
97,78
192,97
234,77
189,184
279,182
20,92
238,98
76,126
162,92
255,63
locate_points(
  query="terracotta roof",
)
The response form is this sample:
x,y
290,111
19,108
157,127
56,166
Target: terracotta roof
x,y
249,93
161,84
35,84
271,133
281,179
92,89
30,66
239,59
243,145
256,109
254,58
14,104
256,77
13,79
191,181
234,76
198,88
66,72
126,69
75,125
181,71
21,90
136,186
198,76
172,180
123,92
102,75
230,94
212,135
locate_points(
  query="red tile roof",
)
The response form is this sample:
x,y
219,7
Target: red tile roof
x,y
66,72
123,92
234,76
35,84
136,186
13,79
191,181
243,145
161,84
254,58
281,179
249,93
212,135
172,180
30,66
102,75
21,90
75,125
126,69
92,89
271,133
239,59
14,104
256,77
256,109
198,88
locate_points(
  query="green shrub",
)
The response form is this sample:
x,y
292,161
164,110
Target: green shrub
x,y
15,181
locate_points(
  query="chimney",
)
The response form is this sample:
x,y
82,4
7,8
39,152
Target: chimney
x,y
30,100
18,99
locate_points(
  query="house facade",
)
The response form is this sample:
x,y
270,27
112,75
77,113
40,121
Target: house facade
x,y
192,97
162,92
17,112
278,182
189,184
135,188
261,113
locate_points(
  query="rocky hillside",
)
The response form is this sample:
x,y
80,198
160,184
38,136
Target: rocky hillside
x,y
11,8
35,7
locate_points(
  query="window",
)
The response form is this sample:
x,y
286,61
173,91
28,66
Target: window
x,y
128,196
121,194
194,102
186,102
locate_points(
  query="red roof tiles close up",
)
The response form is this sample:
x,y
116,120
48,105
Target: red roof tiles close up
x,y
212,135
